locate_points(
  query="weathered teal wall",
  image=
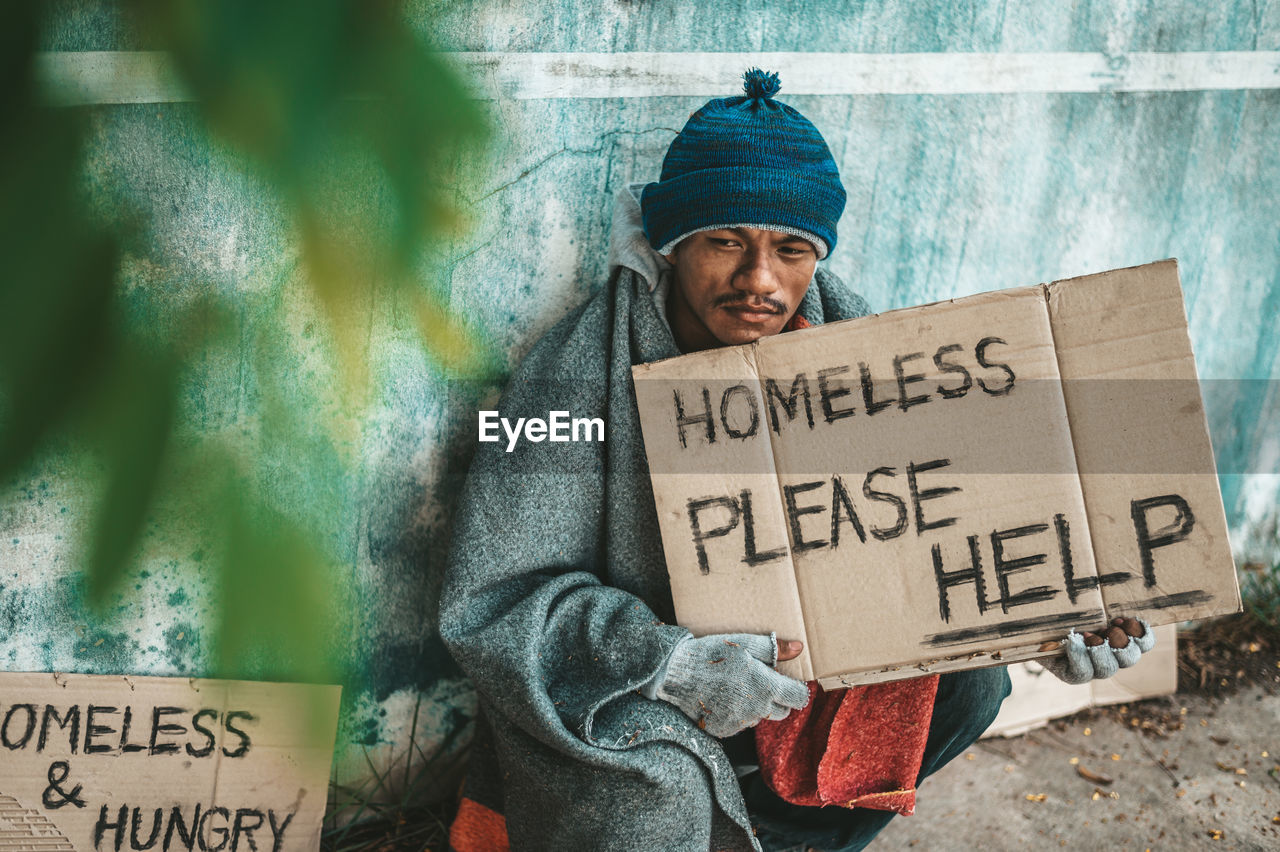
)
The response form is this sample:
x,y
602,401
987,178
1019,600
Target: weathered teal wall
x,y
948,195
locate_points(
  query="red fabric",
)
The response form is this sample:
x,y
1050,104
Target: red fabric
x,y
796,322
859,747
478,829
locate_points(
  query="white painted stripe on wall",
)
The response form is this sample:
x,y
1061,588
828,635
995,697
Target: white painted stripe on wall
x,y
630,75
108,77
147,77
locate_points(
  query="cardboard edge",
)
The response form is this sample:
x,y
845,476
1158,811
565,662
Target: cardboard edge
x,y
1204,421
960,662
637,370
1149,263
985,296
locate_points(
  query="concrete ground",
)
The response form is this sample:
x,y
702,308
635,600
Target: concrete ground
x,y
1204,778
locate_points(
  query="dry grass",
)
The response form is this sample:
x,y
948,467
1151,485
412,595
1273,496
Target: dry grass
x,y
399,810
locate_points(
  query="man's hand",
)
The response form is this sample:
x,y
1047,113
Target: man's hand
x,y
789,649
1092,656
726,682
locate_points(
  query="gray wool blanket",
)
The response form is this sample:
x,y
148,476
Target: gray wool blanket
x,y
557,605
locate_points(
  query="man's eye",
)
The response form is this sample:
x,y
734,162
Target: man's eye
x,y
721,241
791,251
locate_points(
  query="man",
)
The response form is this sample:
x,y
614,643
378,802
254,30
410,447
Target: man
x,y
602,725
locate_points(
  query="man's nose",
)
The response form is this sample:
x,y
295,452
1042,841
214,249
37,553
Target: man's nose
x,y
756,274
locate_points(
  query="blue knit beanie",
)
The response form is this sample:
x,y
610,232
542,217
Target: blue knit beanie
x,y
746,161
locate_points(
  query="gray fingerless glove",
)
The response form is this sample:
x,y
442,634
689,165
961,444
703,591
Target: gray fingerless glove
x,y
1083,664
726,682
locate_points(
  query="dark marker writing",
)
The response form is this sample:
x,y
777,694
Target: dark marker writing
x,y
751,556
790,403
872,404
918,497
952,367
683,420
160,729
798,543
909,387
6,730
830,392
1176,531
207,748
904,378
842,510
885,533
125,745
242,749
155,731
91,730
209,829
981,352
700,536
1005,567
754,419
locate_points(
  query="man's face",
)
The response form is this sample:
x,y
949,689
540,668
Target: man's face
x,y
736,285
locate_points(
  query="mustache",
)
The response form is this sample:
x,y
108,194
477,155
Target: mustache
x,y
730,299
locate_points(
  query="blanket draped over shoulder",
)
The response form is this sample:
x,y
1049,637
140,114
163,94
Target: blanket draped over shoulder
x,y
558,607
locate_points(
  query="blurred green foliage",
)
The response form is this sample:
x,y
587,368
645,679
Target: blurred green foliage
x,y
309,92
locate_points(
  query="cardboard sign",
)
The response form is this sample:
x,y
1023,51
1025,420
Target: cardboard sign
x,y
945,486
128,763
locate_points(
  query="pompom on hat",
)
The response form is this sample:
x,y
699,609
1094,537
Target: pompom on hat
x,y
746,161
